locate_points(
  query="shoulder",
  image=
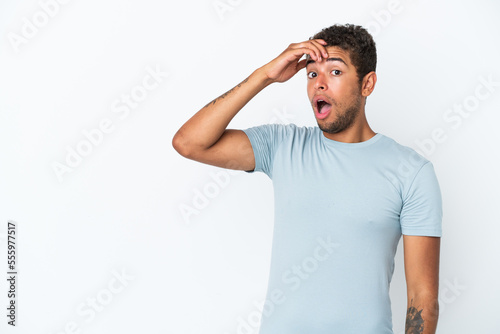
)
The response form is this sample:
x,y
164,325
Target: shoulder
x,y
275,134
402,163
403,155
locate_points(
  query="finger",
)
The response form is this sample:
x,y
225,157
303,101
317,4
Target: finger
x,y
318,47
297,52
315,51
319,40
311,51
321,47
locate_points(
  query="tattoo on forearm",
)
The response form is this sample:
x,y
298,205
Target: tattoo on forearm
x,y
414,321
226,93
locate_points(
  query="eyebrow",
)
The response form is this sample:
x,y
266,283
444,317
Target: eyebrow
x,y
329,59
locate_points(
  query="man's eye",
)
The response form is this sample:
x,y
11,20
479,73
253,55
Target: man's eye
x,y
336,72
311,75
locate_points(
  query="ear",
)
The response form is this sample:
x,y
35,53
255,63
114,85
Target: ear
x,y
368,83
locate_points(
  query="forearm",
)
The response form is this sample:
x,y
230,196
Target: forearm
x,y
422,313
206,127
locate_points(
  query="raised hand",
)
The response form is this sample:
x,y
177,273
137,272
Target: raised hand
x,y
287,64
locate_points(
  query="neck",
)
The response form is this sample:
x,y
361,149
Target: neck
x,y
360,131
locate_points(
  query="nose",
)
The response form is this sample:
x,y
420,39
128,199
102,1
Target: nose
x,y
320,82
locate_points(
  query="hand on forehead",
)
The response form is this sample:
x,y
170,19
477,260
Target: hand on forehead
x,y
334,54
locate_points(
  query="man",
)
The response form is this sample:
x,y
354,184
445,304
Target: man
x,y
344,194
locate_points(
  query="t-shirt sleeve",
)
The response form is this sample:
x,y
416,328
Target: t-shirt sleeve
x,y
265,140
422,213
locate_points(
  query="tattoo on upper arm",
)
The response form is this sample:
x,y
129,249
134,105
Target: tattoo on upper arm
x,y
414,321
226,93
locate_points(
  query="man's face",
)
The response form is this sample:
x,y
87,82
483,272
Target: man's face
x,y
334,91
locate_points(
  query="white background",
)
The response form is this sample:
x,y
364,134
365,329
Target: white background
x,y
119,209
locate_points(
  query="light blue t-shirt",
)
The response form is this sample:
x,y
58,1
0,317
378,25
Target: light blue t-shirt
x,y
340,210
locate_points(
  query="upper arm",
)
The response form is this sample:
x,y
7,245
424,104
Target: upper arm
x,y
233,150
421,260
422,211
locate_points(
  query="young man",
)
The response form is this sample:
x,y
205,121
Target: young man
x,y
344,194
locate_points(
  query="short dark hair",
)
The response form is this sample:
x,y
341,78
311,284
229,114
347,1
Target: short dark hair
x,y
357,41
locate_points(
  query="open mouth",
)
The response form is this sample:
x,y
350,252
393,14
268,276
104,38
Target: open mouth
x,y
323,108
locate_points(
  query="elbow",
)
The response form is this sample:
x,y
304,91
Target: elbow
x,y
428,299
180,145
186,146
428,291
